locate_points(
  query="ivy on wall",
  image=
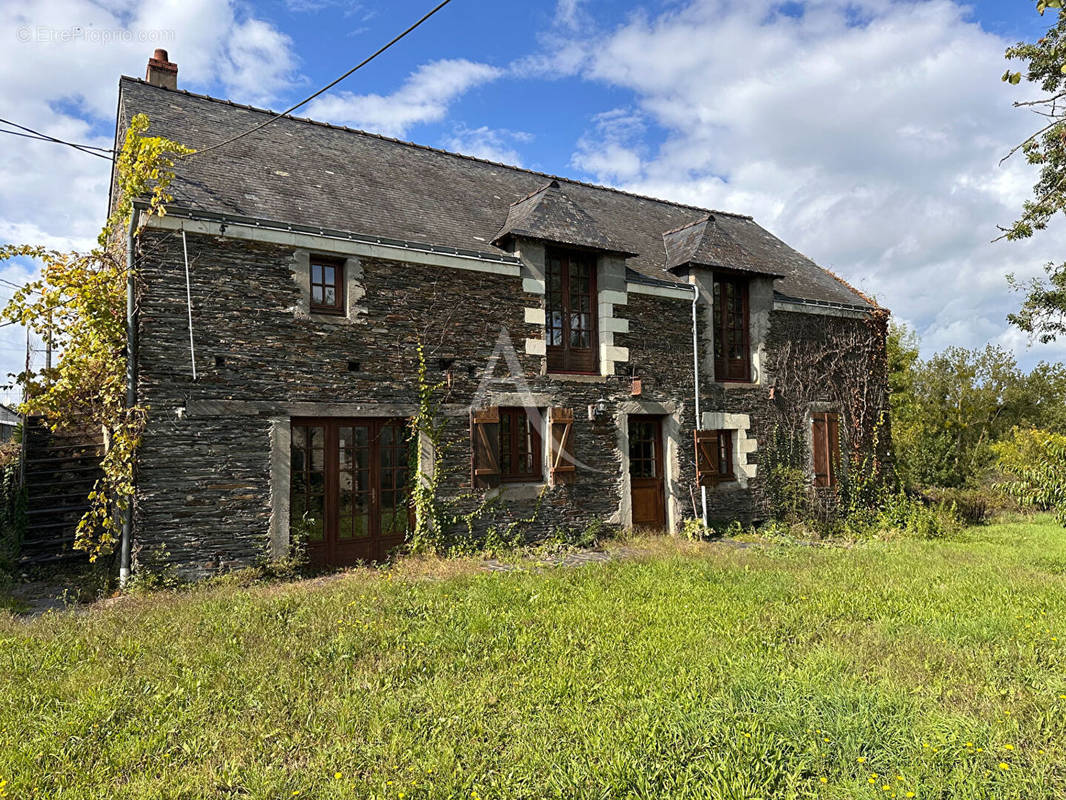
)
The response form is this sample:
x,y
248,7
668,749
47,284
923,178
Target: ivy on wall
x,y
839,364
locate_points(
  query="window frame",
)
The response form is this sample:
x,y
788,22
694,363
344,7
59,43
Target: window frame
x,y
564,358
515,415
723,322
337,265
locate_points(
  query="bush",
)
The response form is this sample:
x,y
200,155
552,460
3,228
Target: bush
x,y
970,506
911,516
788,493
1035,460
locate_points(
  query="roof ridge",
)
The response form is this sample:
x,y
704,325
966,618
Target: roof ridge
x,y
550,185
708,218
394,140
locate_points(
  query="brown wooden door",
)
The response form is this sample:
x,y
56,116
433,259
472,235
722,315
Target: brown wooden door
x,y
349,488
647,488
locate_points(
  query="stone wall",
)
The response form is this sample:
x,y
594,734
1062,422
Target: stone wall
x,y
206,468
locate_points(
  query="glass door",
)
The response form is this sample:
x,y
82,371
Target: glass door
x,y
349,497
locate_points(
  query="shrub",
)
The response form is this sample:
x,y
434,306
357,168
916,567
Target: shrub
x,y
971,506
910,516
1035,460
694,530
788,493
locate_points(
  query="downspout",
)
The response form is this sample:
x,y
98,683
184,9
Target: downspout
x,y
131,390
696,382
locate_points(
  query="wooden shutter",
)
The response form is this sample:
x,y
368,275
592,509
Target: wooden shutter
x,y
707,458
561,427
485,446
832,437
825,436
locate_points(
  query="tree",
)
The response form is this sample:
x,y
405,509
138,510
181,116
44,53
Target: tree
x,y
1035,463
949,411
80,303
1043,311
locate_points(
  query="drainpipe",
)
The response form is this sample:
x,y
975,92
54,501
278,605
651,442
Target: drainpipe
x,y
131,390
696,382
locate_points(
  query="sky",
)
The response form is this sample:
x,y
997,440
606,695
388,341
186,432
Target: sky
x,y
867,134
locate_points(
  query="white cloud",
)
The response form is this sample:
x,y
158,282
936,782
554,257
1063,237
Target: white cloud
x,y
866,135
493,144
614,148
568,14
423,97
59,67
258,59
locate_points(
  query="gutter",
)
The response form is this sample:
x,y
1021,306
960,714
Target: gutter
x,y
261,223
131,388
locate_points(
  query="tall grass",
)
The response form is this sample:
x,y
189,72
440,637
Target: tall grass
x,y
927,667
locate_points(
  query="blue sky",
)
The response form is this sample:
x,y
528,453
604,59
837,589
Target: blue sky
x,y
866,133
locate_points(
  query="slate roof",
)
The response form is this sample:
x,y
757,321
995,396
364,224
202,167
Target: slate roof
x,y
551,216
705,243
305,172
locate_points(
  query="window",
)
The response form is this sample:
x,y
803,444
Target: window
x,y
825,441
506,446
644,448
519,446
732,344
714,457
570,312
327,285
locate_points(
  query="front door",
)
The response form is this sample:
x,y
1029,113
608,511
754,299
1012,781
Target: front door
x,y
646,472
348,493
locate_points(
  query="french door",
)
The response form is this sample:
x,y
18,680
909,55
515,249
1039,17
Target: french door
x,y
646,485
348,488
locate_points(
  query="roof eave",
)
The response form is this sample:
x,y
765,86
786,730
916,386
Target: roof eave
x,y
504,237
687,265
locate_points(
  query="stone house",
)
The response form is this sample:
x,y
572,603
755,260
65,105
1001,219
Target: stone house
x,y
282,302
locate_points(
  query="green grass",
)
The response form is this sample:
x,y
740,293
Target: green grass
x,y
698,671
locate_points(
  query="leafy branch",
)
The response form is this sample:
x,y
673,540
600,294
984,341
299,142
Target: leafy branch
x,y
79,303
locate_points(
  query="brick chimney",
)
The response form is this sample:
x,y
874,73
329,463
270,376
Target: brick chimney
x,y
162,72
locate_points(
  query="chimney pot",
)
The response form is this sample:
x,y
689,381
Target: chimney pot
x,y
161,71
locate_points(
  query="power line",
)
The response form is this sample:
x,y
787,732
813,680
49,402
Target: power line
x,y
325,88
33,138
85,148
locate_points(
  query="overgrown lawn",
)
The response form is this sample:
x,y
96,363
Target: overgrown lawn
x,y
776,671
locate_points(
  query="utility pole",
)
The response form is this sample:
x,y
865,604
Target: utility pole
x,y
22,409
48,346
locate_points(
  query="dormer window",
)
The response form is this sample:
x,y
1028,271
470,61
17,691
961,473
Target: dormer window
x,y
327,285
570,313
732,340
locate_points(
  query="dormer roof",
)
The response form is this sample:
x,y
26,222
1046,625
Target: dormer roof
x,y
705,243
550,215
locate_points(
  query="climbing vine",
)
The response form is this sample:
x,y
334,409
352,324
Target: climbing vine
x,y
841,363
79,304
427,440
448,524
